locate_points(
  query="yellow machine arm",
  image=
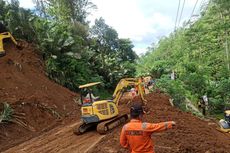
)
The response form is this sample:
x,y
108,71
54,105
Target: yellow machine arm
x,y
123,83
3,36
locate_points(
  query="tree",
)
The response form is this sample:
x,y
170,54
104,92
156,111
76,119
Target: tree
x,y
126,52
198,53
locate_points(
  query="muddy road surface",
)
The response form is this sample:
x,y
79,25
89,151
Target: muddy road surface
x,y
60,139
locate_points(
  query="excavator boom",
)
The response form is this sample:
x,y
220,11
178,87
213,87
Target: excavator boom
x,y
123,84
5,35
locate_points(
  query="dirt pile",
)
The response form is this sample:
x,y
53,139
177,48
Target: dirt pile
x,y
191,134
24,85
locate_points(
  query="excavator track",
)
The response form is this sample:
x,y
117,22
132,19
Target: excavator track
x,y
82,128
108,125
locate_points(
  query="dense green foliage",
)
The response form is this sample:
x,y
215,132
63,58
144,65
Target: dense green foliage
x,y
73,52
199,54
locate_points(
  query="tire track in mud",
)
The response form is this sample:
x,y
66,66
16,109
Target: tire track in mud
x,y
61,140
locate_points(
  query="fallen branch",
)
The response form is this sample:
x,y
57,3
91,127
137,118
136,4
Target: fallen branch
x,y
8,115
164,147
50,110
23,124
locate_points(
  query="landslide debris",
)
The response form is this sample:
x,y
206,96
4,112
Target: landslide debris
x,y
191,134
42,103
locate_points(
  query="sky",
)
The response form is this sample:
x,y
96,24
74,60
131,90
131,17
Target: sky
x,y
143,21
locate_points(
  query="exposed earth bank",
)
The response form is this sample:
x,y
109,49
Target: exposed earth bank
x,y
41,103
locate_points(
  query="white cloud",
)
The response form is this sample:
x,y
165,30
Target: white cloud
x,y
143,21
27,4
140,51
130,20
191,3
124,16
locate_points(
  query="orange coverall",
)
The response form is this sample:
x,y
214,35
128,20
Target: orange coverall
x,y
136,135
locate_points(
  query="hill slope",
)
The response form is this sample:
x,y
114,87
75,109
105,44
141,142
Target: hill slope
x,y
24,85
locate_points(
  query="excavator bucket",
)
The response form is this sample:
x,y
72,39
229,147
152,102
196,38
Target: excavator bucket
x,y
223,130
20,45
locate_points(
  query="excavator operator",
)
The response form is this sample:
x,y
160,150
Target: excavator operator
x,y
136,135
90,97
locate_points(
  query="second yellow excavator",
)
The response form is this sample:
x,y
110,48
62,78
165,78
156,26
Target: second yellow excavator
x,y
5,35
104,113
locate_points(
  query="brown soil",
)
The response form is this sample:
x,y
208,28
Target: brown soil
x,y
60,139
191,134
42,102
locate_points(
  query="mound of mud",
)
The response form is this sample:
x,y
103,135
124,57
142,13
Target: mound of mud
x,y
191,134
25,86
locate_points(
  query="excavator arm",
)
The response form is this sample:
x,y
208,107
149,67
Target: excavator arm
x,y
123,84
3,36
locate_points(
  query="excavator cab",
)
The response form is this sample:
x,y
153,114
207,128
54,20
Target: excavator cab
x,y
104,114
87,93
94,110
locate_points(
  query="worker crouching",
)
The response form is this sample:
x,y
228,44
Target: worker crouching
x,y
136,135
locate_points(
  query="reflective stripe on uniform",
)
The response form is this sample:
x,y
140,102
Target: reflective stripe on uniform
x,y
144,125
125,127
134,132
166,125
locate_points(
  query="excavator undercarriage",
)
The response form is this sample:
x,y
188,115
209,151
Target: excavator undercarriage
x,y
102,127
106,126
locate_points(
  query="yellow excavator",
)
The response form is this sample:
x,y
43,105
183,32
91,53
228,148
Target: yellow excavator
x,y
4,35
104,113
225,123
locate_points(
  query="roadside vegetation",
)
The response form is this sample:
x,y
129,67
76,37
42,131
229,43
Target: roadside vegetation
x,y
198,52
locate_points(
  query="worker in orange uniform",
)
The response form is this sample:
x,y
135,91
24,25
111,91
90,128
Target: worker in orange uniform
x,y
136,135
